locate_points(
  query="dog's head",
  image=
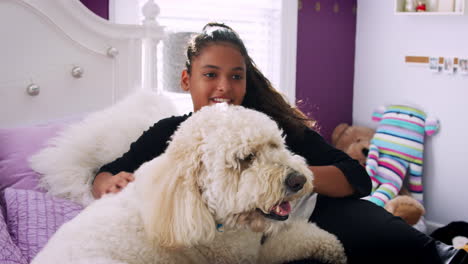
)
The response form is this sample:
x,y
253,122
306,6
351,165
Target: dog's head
x,y
225,165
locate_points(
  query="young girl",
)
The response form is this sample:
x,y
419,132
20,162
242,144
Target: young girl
x,y
219,69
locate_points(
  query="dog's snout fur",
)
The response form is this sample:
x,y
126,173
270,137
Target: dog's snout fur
x,y
295,181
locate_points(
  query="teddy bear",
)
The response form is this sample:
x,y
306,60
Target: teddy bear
x,y
355,141
406,207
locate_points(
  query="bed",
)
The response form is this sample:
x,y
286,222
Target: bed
x,y
63,66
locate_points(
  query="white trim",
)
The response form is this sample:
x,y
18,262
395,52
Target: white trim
x,y
149,77
289,12
112,7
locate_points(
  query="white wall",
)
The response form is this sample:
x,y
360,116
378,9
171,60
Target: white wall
x,y
383,39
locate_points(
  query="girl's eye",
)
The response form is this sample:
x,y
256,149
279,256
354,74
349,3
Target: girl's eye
x,y
237,77
210,74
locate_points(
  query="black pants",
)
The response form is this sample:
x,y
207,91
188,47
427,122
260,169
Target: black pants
x,y
372,235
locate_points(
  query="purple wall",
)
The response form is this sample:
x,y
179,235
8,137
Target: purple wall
x,y
99,7
325,62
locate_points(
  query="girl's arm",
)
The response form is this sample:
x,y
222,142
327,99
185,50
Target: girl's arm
x,y
335,173
115,176
330,181
106,182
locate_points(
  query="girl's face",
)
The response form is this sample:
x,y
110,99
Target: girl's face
x,y
217,75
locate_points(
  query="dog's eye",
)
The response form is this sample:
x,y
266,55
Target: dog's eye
x,y
274,145
246,161
249,158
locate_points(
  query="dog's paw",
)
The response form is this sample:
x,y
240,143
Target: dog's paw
x,y
302,240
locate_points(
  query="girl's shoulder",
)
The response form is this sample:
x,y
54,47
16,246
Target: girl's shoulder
x,y
174,120
169,124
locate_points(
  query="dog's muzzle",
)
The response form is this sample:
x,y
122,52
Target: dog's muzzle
x,y
295,181
279,212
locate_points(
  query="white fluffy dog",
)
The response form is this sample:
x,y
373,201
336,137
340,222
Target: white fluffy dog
x,y
225,180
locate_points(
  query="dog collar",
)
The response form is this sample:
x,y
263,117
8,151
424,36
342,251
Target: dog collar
x,y
220,227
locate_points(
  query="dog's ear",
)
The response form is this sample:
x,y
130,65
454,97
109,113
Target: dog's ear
x,y
172,209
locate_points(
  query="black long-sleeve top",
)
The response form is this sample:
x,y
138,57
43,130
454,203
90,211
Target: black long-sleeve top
x,y
311,146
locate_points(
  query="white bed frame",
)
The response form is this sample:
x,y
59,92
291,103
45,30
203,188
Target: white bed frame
x,y
59,59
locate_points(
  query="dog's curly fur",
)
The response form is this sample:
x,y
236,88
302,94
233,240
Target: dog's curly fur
x,y
224,165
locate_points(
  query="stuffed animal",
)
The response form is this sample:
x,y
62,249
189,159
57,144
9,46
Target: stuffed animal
x,y
455,233
397,149
355,141
406,207
421,7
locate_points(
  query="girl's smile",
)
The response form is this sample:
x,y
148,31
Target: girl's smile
x,y
221,100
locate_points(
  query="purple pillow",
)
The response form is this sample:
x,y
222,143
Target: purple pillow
x,y
33,217
9,252
17,145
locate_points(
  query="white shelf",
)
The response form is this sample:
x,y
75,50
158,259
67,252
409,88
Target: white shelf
x,y
458,9
404,13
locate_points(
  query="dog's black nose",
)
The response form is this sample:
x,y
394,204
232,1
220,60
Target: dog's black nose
x,y
295,181
365,151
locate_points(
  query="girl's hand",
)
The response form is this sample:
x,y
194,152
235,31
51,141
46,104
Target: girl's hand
x,y
105,183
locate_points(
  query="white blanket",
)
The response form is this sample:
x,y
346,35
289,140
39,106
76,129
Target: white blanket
x,y
69,163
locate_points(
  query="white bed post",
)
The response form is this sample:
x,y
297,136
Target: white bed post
x,y
153,34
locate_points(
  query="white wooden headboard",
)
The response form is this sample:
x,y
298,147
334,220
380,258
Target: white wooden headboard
x,y
77,61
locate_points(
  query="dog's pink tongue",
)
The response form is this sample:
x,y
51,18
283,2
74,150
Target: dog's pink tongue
x,y
281,209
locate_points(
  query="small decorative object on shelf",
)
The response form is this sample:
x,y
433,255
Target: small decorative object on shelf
x,y
463,66
409,6
430,7
421,7
449,66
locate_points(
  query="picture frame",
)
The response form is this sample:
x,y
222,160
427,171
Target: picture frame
x,y
463,66
448,66
434,64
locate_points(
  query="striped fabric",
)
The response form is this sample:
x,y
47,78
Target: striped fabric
x,y
397,150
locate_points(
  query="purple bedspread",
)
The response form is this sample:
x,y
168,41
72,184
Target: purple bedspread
x,y
29,218
9,252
